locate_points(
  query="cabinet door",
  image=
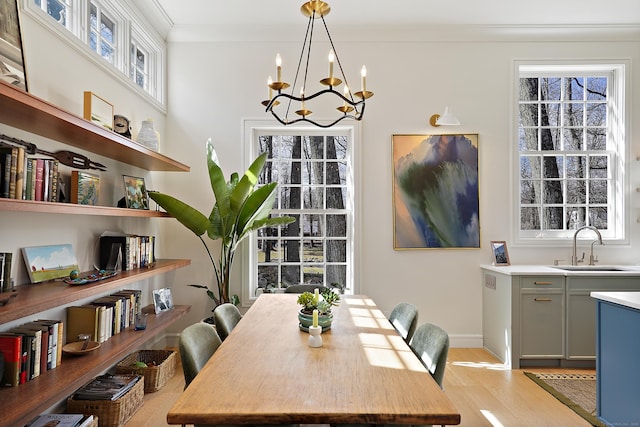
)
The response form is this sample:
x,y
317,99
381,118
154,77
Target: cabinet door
x,y
541,325
581,326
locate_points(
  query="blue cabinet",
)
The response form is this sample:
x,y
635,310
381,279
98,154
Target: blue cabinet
x,y
617,367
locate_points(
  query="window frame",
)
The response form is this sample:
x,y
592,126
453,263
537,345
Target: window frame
x,y
617,146
130,25
252,129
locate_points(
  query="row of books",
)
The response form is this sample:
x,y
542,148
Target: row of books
x,y
105,316
31,349
27,178
62,420
126,252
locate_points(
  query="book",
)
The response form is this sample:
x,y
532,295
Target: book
x,y
5,271
5,179
19,174
39,194
53,181
83,319
107,387
28,354
29,179
58,420
54,341
11,349
85,188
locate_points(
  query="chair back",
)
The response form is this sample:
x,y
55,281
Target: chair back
x,y
431,344
197,344
404,318
226,318
298,289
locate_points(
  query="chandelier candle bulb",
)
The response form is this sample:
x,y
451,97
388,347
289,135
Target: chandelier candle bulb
x,y
269,82
363,73
331,59
315,318
279,67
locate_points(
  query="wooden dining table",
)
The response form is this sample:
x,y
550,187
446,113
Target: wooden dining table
x,y
266,373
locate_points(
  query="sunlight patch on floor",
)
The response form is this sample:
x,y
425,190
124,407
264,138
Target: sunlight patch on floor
x,y
483,365
491,418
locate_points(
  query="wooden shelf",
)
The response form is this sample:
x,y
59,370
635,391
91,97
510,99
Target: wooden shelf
x,y
34,298
14,205
23,403
32,114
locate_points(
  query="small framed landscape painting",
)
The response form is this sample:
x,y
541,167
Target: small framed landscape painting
x,y
135,193
49,262
162,300
499,253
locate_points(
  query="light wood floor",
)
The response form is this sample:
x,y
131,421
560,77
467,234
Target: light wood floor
x,y
476,382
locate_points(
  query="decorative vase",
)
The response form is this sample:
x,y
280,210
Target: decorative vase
x,y
148,136
306,320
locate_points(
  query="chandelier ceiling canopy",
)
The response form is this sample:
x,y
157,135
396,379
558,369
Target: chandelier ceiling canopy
x,y
288,108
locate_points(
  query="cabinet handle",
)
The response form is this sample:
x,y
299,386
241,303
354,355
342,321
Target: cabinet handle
x,y
543,283
543,299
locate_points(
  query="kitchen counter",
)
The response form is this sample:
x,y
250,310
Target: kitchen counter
x,y
626,299
548,270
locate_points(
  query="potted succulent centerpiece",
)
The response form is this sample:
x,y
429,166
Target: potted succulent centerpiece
x,y
240,208
323,302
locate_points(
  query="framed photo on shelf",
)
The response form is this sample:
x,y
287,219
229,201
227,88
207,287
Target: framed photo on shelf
x,y
98,110
499,252
162,300
135,193
12,68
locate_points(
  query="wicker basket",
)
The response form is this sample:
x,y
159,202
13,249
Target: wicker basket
x,y
110,413
155,377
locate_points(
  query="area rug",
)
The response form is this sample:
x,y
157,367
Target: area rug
x,y
577,391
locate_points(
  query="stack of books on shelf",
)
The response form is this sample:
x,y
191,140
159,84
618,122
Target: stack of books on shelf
x,y
30,350
133,251
62,420
104,317
26,178
107,387
6,285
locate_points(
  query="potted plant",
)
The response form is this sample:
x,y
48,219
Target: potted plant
x,y
323,302
240,208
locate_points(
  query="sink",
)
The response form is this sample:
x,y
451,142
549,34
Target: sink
x,y
588,268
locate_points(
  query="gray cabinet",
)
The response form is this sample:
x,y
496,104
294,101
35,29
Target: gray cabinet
x,y
541,320
581,311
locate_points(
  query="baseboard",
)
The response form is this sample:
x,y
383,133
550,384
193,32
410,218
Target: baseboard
x,y
465,341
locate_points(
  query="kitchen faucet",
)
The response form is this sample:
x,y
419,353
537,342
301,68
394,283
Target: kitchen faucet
x,y
574,257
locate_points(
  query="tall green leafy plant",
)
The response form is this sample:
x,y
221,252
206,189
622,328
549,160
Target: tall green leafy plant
x,y
240,208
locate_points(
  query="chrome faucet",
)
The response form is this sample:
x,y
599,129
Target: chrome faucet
x,y
574,257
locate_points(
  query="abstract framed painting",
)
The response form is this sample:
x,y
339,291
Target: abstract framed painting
x,y
435,191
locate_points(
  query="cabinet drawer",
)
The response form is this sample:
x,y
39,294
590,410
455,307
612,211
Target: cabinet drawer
x,y
542,282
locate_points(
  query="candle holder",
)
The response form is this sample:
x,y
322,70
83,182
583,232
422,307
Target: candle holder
x,y
315,337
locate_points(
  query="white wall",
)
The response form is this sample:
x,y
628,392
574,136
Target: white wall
x,y
214,85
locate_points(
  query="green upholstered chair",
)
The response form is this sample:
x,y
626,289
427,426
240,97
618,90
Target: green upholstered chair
x,y
404,318
226,318
431,344
197,344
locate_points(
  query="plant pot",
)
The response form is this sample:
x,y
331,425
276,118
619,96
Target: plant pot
x,y
306,320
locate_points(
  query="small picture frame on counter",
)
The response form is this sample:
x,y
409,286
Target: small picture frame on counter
x,y
499,253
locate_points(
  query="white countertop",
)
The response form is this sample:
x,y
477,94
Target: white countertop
x,y
627,299
547,270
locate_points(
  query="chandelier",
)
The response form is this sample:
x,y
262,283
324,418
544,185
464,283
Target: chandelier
x,y
347,104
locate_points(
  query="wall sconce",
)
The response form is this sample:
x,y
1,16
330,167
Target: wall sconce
x,y
446,119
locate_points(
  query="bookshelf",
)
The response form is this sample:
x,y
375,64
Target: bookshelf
x,y
23,403
24,111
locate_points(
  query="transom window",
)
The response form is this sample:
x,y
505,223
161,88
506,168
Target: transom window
x,y
315,185
570,150
115,31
